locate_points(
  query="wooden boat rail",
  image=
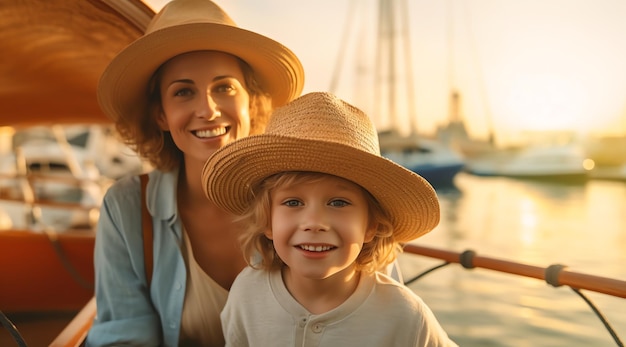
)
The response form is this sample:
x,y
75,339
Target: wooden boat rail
x,y
555,275
76,331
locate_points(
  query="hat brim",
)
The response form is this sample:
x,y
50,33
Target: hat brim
x,y
230,173
122,89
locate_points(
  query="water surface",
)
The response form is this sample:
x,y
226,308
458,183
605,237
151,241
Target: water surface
x,y
581,226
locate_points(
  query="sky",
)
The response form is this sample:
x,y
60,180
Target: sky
x,y
519,66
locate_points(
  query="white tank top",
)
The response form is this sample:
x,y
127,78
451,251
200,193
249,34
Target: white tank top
x,y
204,300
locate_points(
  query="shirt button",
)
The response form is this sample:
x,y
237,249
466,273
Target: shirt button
x,y
178,286
172,324
302,322
317,328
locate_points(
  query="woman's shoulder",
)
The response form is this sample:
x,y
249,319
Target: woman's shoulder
x,y
126,182
130,185
125,188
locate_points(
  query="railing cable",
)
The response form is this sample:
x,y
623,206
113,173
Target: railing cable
x,y
424,273
555,275
600,316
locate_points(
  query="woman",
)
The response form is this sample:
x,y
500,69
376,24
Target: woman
x,y
193,83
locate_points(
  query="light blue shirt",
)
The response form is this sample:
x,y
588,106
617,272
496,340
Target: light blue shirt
x,y
126,315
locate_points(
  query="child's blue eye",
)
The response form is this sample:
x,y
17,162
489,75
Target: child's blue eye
x,y
292,203
339,203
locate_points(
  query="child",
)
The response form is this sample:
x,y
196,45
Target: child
x,y
324,211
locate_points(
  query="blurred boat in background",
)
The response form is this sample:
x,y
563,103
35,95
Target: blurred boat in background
x,y
429,158
546,156
559,164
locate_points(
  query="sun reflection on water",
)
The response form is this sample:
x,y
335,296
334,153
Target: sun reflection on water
x,y
580,226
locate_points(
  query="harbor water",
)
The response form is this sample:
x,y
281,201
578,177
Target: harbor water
x,y
581,226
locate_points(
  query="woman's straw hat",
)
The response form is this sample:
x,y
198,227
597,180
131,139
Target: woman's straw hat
x,y
192,25
322,133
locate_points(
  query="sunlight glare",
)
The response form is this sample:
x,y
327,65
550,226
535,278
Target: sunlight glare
x,y
545,102
528,221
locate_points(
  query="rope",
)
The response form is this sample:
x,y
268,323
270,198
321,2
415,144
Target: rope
x,y
67,264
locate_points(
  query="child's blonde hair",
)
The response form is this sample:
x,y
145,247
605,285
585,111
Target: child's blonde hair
x,y
375,255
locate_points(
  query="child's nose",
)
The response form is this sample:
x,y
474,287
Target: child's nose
x,y
315,220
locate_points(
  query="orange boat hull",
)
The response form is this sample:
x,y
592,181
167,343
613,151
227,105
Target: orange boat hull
x,y
40,272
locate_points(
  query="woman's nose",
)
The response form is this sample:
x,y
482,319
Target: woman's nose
x,y
209,109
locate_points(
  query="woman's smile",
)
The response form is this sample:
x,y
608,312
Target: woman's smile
x,y
210,133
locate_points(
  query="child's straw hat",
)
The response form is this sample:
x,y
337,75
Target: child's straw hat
x,y
319,132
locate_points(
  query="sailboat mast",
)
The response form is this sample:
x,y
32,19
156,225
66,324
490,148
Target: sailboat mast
x,y
390,32
386,11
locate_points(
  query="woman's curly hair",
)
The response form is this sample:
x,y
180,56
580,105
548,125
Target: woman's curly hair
x,y
156,146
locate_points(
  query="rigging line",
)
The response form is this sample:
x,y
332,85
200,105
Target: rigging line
x,y
377,64
408,62
480,74
342,47
451,48
391,68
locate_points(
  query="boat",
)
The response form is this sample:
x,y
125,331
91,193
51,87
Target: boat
x,y
429,158
54,53
559,164
549,157
542,158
